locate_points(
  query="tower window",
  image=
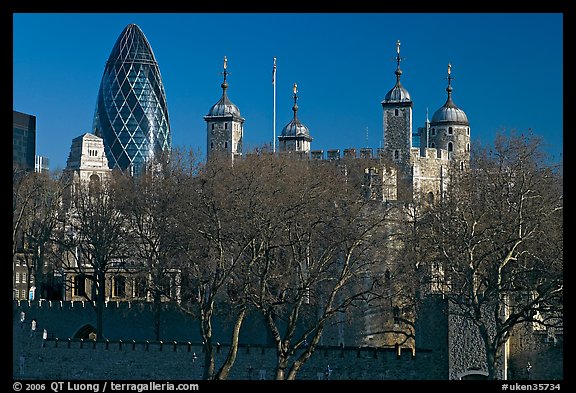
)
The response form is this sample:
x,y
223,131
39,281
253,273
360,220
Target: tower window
x,y
140,287
396,154
212,125
461,165
119,286
225,145
468,131
450,131
433,145
211,145
225,126
433,132
79,285
395,112
468,147
450,147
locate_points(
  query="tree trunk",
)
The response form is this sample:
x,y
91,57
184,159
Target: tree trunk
x,y
227,366
100,292
281,367
157,315
299,362
206,329
491,363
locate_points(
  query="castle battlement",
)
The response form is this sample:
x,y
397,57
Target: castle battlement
x,y
73,358
138,305
351,152
386,354
430,153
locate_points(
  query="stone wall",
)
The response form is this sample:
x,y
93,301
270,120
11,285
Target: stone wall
x,y
544,353
35,358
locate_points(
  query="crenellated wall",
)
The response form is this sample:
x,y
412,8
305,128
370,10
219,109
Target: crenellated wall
x,y
36,358
126,355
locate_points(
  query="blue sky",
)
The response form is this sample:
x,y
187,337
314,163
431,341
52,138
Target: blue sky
x,y
508,71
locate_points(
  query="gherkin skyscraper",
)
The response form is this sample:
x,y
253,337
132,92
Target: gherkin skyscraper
x,y
131,113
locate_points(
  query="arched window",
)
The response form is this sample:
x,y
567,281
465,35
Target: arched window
x,y
84,332
433,145
119,286
430,197
450,147
450,131
461,165
94,185
468,131
468,147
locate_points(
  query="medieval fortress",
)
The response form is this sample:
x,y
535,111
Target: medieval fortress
x,y
52,339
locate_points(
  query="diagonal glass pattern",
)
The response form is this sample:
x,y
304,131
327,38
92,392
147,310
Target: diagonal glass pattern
x,y
131,112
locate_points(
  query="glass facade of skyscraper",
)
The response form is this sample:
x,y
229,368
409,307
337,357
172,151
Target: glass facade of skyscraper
x,y
131,113
23,140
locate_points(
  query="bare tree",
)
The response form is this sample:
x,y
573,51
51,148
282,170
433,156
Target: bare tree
x,y
494,242
212,218
146,202
312,259
92,236
36,205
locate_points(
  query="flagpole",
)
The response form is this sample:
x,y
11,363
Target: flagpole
x,y
274,121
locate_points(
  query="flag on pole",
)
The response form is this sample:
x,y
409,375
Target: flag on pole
x,y
274,88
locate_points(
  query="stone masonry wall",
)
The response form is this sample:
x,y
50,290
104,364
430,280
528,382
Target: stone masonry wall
x,y
53,357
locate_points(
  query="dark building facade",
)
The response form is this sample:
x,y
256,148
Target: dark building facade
x,y
131,113
23,140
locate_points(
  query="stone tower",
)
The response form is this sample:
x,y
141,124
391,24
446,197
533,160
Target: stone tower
x,y
295,136
450,130
225,126
87,160
397,122
87,165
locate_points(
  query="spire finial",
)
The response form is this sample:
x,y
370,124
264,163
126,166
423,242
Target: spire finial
x,y
295,107
224,84
450,78
398,71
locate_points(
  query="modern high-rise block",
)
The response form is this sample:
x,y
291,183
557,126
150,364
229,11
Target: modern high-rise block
x,y
23,140
131,113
